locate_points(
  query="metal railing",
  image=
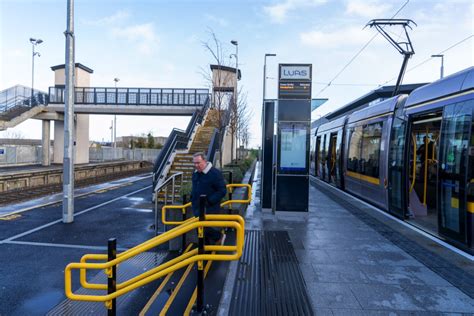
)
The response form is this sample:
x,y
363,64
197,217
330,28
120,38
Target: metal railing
x,y
214,146
110,266
131,96
230,188
170,182
178,139
21,96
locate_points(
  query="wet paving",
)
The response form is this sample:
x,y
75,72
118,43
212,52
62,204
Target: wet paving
x,y
36,246
356,266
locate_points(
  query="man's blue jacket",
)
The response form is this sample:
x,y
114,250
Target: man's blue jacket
x,y
210,183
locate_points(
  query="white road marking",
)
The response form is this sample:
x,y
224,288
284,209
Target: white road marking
x,y
75,215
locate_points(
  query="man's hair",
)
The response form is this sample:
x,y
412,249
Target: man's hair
x,y
200,154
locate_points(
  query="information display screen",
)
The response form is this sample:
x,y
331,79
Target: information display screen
x,y
293,147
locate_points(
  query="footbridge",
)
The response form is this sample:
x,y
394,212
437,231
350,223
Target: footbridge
x,y
129,101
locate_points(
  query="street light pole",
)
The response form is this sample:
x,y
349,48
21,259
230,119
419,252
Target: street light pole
x,y
68,159
265,73
442,64
34,42
236,91
115,116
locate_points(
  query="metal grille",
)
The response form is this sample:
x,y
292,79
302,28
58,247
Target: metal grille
x,y
125,271
269,281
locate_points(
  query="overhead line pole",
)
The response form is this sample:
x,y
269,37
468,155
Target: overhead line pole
x,y
68,160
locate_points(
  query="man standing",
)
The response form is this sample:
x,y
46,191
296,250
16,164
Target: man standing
x,y
209,181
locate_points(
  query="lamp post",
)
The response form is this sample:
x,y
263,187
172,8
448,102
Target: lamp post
x,y
265,73
236,92
115,116
442,65
34,42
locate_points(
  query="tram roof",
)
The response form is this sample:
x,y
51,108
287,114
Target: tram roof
x,y
383,107
457,82
365,100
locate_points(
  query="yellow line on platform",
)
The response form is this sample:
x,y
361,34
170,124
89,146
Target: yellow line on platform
x,y
194,296
176,290
160,288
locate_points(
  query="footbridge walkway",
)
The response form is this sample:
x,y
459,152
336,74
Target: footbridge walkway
x,y
20,103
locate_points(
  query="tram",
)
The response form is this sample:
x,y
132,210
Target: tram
x,y
410,155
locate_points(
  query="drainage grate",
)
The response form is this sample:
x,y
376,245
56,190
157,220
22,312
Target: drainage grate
x,y
269,280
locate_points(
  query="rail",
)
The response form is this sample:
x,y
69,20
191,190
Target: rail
x,y
231,252
214,146
230,188
132,96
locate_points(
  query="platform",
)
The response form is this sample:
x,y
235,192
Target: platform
x,y
343,257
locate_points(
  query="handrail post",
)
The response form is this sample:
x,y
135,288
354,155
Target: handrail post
x,y
172,190
112,277
183,218
231,180
156,213
200,270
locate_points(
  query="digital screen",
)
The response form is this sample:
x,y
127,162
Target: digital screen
x,y
293,147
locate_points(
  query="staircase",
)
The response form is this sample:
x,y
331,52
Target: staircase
x,y
183,162
17,115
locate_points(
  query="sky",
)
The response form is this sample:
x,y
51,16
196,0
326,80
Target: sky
x,y
159,44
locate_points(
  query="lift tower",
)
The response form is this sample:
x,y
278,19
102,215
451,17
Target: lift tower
x,y
404,47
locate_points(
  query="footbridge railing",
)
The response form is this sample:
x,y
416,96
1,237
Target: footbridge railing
x,y
132,96
199,255
21,96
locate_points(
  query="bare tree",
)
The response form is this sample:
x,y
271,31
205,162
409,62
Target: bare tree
x,y
221,97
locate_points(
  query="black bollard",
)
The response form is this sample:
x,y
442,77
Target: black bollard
x,y
200,270
112,277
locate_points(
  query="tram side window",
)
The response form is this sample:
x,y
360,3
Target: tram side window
x,y
369,160
355,141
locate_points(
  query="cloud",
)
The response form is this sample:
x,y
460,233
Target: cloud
x,y
220,21
344,37
279,11
108,20
367,9
141,34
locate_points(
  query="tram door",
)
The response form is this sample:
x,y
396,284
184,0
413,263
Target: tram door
x,y
332,160
317,156
396,166
423,149
453,182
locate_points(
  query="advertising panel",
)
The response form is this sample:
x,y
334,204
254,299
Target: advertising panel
x,y
293,148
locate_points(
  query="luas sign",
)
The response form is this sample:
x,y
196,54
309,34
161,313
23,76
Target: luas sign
x,y
295,81
302,72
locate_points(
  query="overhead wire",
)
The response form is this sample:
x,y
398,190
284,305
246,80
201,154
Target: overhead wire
x,y
429,58
358,53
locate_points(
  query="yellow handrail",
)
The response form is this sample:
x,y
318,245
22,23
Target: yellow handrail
x,y
212,220
229,187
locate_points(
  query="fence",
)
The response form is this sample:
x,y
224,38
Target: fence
x,y
26,154
108,154
20,154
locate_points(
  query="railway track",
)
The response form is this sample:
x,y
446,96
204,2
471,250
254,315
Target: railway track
x,y
21,195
